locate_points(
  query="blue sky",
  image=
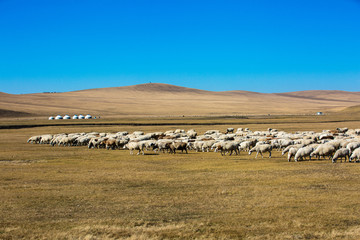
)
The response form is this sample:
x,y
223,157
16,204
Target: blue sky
x,y
258,45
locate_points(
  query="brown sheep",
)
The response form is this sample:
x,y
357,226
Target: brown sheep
x,y
178,146
110,143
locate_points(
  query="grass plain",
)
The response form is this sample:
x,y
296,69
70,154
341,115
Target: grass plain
x,y
80,193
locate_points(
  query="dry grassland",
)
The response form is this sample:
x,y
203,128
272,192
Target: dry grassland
x,y
76,193
157,99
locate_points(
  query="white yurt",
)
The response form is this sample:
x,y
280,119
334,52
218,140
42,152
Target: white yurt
x,y
66,117
81,116
75,117
88,116
58,117
51,118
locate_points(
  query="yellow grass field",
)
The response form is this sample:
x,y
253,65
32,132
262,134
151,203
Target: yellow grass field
x,y
80,193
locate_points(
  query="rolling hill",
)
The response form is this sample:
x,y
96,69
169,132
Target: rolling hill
x,y
157,99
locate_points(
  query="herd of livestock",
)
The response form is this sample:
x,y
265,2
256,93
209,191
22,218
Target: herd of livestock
x,y
339,144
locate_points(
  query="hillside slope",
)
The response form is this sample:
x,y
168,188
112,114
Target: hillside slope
x,y
156,99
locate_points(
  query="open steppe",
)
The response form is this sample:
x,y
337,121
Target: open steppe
x,y
156,99
80,193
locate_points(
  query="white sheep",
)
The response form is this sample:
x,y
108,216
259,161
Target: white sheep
x,y
323,151
292,152
124,133
217,145
275,144
298,146
93,142
303,152
342,130
245,146
138,133
260,143
66,141
150,144
352,146
206,146
34,139
191,134
285,143
121,142
344,143
228,147
56,138
46,139
340,153
261,149
142,138
179,131
355,155
136,146
164,144
82,141
335,143
197,145
210,132
306,142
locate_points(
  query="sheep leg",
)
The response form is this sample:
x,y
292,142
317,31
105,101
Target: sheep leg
x,y
256,154
269,154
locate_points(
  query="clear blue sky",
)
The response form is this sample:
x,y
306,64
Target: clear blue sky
x,y
257,45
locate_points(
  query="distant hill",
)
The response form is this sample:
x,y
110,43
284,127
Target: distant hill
x,y
151,87
352,109
157,99
13,114
324,95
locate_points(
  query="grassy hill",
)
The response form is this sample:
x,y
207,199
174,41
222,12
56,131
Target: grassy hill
x,y
156,99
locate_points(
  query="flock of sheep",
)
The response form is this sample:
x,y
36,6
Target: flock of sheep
x,y
338,144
